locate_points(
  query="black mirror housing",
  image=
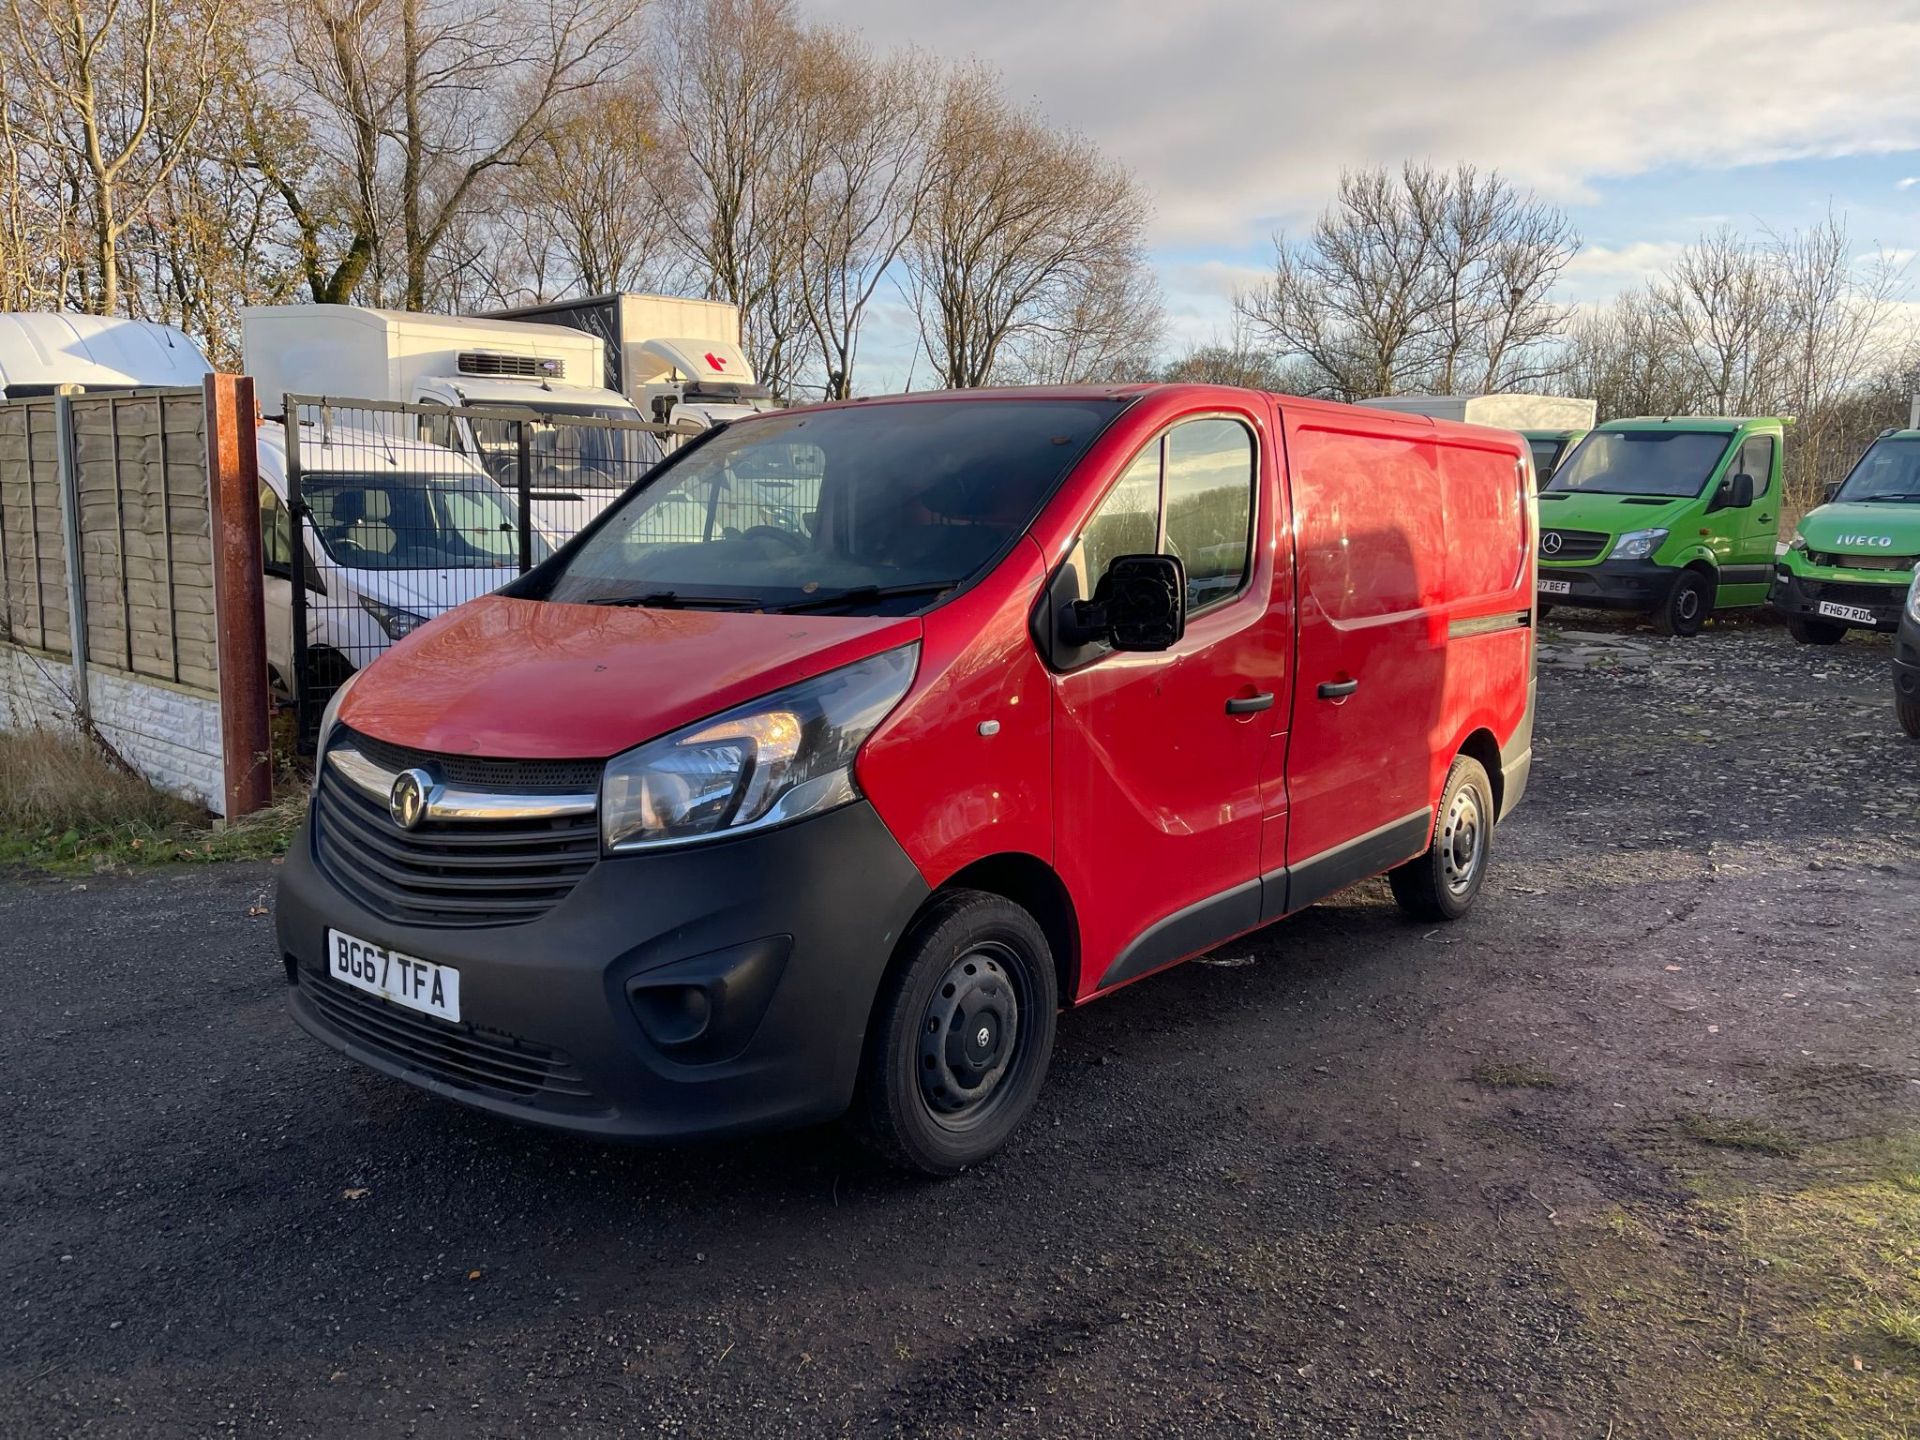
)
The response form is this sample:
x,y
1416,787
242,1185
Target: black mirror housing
x,y
1742,495
1139,604
1832,490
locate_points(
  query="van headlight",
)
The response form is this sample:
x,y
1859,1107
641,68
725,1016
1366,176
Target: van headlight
x,y
1913,597
1638,544
1798,542
756,766
396,622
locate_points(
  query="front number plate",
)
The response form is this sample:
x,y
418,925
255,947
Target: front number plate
x,y
1556,587
1846,612
417,984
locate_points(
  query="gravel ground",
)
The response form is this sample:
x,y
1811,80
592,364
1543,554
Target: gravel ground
x,y
1350,1176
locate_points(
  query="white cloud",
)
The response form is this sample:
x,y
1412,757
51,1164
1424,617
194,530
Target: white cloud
x,y
1239,114
1908,183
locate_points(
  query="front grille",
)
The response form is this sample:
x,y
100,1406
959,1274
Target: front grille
x,y
454,873
468,1056
1574,544
519,777
1903,563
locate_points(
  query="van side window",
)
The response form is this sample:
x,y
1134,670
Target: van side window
x,y
1209,501
1756,459
1127,522
436,425
276,532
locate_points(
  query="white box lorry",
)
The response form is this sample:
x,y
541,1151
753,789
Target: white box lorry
x,y
678,360
528,372
44,353
1552,424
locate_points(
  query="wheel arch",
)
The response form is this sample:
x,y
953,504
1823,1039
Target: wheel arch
x,y
1481,745
1036,887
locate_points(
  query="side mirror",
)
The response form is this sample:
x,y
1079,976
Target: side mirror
x,y
1140,604
1828,495
1742,495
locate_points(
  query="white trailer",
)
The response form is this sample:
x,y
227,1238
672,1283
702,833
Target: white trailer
x,y
677,359
43,353
1552,424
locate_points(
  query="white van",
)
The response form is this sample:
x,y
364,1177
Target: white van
x,y
397,531
49,353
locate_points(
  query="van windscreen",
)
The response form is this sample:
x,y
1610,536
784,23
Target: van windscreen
x,y
1674,464
384,520
876,509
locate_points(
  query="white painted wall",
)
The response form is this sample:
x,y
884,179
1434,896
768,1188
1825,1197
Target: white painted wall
x,y
168,733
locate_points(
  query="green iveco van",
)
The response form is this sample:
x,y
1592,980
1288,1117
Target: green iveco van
x,y
1851,563
1676,517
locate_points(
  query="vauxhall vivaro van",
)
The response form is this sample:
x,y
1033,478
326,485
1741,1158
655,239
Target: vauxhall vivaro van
x,y
712,827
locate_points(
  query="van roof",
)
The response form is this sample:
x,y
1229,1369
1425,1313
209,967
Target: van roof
x,y
1727,423
44,349
325,447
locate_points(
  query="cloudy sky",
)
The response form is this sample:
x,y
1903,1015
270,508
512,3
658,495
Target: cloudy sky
x,y
1649,120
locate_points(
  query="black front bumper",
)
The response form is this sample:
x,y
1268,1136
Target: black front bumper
x,y
724,987
1793,594
1610,584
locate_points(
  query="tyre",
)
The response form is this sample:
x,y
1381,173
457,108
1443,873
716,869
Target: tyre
x,y
1687,605
1815,632
1543,608
961,1035
1440,883
1909,712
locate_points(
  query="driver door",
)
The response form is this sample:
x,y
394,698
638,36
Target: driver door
x,y
1158,756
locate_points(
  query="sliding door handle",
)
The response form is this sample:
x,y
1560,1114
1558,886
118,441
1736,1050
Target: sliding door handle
x,y
1337,689
1248,704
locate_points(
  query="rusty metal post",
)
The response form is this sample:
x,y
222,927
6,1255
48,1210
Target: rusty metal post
x,y
233,501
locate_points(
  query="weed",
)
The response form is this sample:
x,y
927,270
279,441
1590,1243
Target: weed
x,y
66,806
1515,1075
1748,1135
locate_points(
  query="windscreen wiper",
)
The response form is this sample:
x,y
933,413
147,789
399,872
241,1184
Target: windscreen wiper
x,y
863,595
1902,496
674,600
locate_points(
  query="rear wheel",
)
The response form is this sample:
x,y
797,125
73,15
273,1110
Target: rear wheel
x,y
1440,883
961,1037
1688,603
1909,712
1543,608
1815,632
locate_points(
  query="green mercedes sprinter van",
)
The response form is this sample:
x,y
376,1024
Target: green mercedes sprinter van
x,y
1674,516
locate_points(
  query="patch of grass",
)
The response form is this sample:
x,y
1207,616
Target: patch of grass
x,y
1515,1075
1899,1326
1749,1135
65,806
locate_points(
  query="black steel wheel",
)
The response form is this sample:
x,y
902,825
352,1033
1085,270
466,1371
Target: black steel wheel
x,y
961,1036
1687,606
1815,632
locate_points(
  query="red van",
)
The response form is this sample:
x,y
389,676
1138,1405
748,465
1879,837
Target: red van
x,y
830,762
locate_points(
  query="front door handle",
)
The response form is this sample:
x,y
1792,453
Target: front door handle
x,y
1248,704
1337,689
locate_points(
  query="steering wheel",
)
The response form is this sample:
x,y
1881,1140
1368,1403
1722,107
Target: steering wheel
x,y
795,543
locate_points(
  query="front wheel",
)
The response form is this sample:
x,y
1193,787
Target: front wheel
x,y
1815,632
961,1037
1440,883
1909,713
1687,605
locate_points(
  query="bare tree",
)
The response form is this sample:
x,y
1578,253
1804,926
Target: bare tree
x,y
410,105
112,95
860,166
1022,226
1723,314
1103,328
1424,279
730,107
583,193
